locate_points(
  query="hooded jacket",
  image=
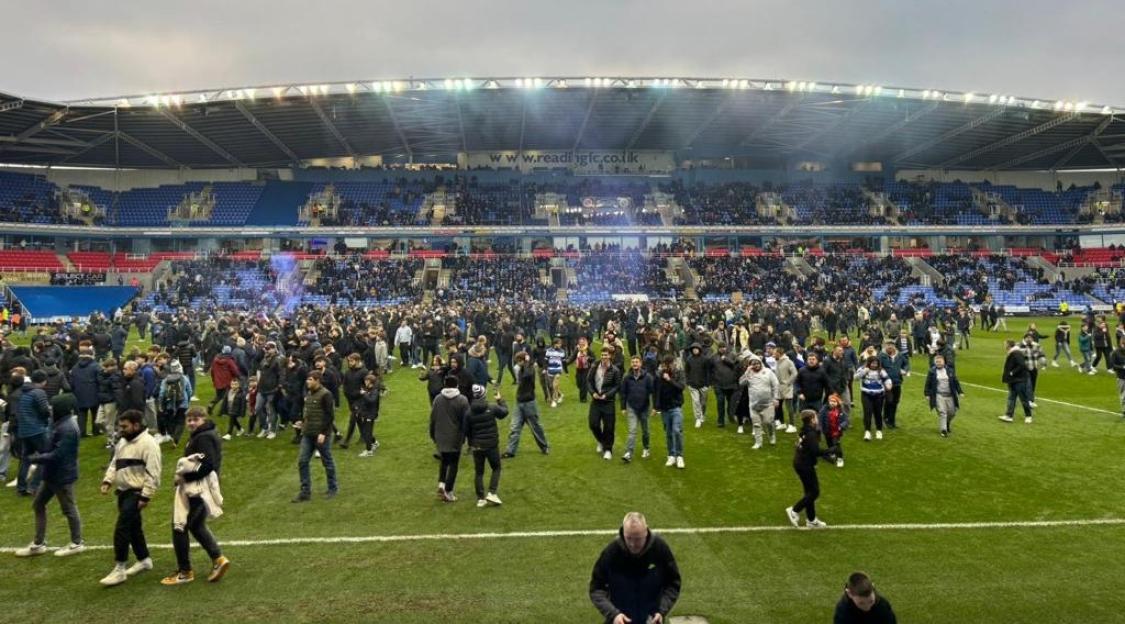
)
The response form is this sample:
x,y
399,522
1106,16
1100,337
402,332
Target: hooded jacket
x,y
761,387
480,424
636,585
84,381
447,417
223,369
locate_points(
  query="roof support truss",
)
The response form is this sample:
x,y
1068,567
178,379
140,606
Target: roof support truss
x,y
1075,143
195,134
319,110
151,151
91,145
398,127
585,119
648,119
769,123
942,138
266,132
1006,141
878,137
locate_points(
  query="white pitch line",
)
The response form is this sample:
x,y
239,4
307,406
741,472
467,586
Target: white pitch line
x,y
778,528
1085,407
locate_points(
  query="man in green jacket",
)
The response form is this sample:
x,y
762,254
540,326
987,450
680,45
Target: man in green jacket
x,y
316,424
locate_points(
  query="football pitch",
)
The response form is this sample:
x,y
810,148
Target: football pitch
x,y
998,523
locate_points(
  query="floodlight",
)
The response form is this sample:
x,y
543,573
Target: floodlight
x,y
448,84
969,97
992,98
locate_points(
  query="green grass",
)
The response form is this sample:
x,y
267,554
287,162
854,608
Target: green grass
x,y
1065,466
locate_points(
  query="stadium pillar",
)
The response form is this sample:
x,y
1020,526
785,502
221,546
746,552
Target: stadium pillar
x,y
884,244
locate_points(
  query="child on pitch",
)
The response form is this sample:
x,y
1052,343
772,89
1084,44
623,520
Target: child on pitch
x,y
834,421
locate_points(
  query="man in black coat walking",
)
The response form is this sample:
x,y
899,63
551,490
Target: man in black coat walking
x,y
636,579
604,380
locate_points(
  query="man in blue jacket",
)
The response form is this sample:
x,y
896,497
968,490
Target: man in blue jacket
x,y
636,395
34,416
84,382
58,464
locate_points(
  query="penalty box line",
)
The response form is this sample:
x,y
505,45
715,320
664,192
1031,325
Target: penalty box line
x,y
1076,405
377,539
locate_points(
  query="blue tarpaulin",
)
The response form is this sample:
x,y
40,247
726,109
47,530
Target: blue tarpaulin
x,y
49,303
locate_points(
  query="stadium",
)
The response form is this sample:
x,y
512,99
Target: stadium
x,y
938,253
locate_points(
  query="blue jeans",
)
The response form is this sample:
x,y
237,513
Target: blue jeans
x,y
674,430
308,444
526,412
634,417
266,412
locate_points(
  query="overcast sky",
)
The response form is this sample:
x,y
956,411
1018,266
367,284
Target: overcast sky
x,y
66,49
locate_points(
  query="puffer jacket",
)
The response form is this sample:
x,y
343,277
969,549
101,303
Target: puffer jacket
x,y
480,425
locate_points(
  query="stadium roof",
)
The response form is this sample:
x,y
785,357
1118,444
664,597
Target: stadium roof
x,y
432,120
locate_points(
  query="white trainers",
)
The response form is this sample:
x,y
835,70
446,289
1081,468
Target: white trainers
x,y
227,437
554,403
271,435
794,517
493,499
316,454
608,455
365,453
481,502
1033,404
790,429
70,549
644,454
261,434
741,429
600,449
680,461
143,565
1092,372
116,576
1055,364
698,423
816,524
12,483
1027,420
32,550
878,435
1006,418
866,436
671,461
773,439
757,445
839,462
627,457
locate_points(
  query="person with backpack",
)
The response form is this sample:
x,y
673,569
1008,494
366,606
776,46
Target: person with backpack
x,y
175,397
483,437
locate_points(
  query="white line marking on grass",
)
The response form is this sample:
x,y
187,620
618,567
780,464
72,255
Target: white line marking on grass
x,y
778,528
1085,407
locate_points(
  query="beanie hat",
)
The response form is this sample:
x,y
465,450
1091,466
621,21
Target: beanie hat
x,y
226,349
478,391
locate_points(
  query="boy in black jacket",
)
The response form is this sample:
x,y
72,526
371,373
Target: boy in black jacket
x,y
483,437
234,406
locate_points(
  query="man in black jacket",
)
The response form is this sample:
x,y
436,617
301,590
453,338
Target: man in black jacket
x,y
483,437
1016,375
860,603
636,579
636,395
604,381
725,375
812,384
204,441
698,367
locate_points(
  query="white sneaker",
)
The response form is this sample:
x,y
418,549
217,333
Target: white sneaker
x,y
794,517
644,454
481,502
1006,418
116,576
627,457
1027,420
698,423
600,449
493,499
671,461
32,550
839,462
816,524
316,454
227,437
554,403
1073,363
878,435
773,439
1092,372
12,483
608,455
1055,364
262,433
70,549
866,436
365,453
1033,404
143,565
680,461
790,429
757,445
741,430
271,435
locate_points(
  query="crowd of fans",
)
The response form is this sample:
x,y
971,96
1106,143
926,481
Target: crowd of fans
x,y
501,276
356,278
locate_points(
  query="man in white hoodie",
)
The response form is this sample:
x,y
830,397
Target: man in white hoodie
x,y
134,474
762,395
